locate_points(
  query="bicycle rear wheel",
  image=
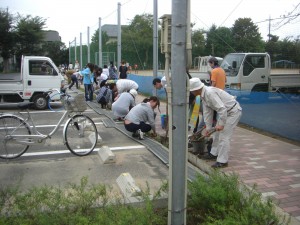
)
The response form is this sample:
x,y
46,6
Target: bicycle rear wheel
x,y
80,135
10,148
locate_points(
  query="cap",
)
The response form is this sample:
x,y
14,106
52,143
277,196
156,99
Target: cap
x,y
195,84
133,92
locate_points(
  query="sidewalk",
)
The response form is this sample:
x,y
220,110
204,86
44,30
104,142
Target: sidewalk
x,y
273,165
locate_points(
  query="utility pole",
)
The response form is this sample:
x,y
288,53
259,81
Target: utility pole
x,y
119,35
100,43
155,44
178,122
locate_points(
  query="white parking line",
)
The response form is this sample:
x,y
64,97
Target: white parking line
x,y
49,111
41,126
121,148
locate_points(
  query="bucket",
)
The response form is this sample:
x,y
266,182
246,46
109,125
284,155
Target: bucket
x,y
163,118
198,147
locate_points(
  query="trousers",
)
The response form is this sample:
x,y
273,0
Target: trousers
x,y
221,143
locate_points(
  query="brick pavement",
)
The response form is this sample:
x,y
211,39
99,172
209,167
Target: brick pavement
x,y
273,165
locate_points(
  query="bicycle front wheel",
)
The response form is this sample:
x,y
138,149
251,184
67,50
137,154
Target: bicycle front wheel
x,y
80,135
11,147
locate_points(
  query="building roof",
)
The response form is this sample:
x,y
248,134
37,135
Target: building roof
x,y
51,35
111,30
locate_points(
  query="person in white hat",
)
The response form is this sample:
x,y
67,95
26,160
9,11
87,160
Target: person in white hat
x,y
123,104
229,113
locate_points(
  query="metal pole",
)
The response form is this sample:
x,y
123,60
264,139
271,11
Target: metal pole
x,y
155,43
69,53
178,153
188,37
100,43
75,51
81,66
88,44
119,35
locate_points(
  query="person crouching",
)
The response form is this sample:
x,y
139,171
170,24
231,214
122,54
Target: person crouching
x,y
141,118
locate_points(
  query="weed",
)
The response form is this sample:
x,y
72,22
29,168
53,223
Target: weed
x,y
217,200
220,200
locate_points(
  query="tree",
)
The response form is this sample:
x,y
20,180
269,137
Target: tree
x,y
273,47
219,41
7,35
55,50
137,40
29,35
246,37
198,43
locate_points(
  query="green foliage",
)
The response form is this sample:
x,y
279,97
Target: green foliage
x,y
198,43
222,200
137,40
55,50
219,41
217,200
30,35
246,37
6,33
75,204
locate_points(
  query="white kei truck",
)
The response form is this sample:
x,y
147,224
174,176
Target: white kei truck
x,y
38,74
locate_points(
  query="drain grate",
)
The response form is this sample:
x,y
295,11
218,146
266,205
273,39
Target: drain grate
x,y
108,122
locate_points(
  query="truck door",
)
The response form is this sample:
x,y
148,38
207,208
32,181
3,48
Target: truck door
x,y
255,73
41,76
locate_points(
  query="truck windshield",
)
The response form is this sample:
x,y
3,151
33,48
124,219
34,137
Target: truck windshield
x,y
232,63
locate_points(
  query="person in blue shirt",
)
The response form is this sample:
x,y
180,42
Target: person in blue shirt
x,y
88,80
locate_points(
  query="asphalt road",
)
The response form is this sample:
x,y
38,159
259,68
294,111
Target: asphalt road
x,y
53,164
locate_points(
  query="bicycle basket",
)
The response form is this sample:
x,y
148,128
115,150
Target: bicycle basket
x,y
75,102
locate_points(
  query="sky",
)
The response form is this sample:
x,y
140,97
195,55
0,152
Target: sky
x,y
70,18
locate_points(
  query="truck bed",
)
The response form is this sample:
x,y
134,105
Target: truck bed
x,y
277,81
10,83
10,77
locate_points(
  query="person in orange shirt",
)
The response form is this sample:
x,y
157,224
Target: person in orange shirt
x,y
218,75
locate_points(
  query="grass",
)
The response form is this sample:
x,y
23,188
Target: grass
x,y
213,201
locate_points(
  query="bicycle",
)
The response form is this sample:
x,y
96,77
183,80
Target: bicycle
x,y
79,133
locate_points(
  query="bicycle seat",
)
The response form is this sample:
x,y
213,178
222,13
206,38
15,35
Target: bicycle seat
x,y
25,105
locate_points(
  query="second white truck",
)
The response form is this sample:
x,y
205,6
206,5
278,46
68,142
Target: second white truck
x,y
252,72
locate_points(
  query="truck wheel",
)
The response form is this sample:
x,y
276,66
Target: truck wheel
x,y
40,102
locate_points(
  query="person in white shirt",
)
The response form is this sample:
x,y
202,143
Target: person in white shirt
x,y
229,113
77,65
105,70
102,77
160,83
70,67
124,85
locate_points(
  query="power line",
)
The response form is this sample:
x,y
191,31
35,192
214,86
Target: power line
x,y
285,17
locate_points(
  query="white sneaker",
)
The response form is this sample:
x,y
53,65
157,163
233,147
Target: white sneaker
x,y
141,134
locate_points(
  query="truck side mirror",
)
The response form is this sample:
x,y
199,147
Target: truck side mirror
x,y
234,64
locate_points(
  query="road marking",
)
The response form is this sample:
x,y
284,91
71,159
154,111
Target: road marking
x,y
49,111
43,126
121,148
